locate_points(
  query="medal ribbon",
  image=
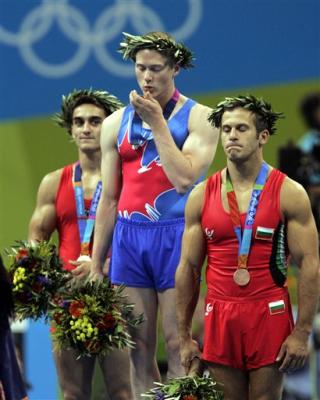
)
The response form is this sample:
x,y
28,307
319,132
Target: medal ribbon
x,y
136,134
245,238
85,222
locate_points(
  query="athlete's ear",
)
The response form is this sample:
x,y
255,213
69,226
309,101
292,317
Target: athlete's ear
x,y
264,137
176,70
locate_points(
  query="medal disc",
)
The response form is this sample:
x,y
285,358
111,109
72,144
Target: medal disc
x,y
83,257
241,276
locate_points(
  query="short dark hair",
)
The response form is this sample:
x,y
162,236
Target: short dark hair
x,y
308,106
264,115
176,53
99,98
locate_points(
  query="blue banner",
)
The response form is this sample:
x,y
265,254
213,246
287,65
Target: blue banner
x,y
49,47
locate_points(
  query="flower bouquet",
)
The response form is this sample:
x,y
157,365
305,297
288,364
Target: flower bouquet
x,y
36,274
92,319
185,388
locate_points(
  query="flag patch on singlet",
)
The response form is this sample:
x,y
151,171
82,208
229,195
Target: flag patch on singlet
x,y
264,233
276,307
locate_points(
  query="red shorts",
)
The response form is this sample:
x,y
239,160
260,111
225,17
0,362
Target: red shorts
x,y
246,334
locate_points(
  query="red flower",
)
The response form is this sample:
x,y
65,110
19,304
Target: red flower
x,y
22,253
53,329
189,397
57,317
76,308
108,322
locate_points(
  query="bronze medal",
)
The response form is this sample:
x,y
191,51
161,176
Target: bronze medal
x,y
241,276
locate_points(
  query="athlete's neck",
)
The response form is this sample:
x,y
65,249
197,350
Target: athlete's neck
x,y
90,161
246,172
166,96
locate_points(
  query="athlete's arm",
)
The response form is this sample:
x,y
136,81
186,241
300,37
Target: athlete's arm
x,y
182,167
303,246
188,275
111,188
43,221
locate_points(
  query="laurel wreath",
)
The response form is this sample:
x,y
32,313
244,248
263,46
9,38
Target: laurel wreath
x,y
256,105
107,101
134,43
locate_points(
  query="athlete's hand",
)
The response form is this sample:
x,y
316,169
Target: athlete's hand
x,y
293,352
82,269
148,108
96,273
190,356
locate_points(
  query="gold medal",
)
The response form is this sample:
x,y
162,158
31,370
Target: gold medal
x,y
84,257
241,276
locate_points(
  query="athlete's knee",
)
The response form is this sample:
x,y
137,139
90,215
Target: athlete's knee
x,y
76,394
275,394
143,345
267,396
124,393
270,393
172,342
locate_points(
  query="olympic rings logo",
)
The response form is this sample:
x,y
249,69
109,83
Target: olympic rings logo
x,y
75,26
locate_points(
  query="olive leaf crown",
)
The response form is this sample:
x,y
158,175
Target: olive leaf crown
x,y
256,105
100,98
160,42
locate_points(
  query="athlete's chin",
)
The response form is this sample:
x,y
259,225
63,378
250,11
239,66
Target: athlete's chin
x,y
232,153
235,157
87,148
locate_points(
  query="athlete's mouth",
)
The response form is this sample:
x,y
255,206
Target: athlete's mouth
x,y
233,146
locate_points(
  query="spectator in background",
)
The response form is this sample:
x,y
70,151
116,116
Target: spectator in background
x,y
309,143
310,110
11,383
290,160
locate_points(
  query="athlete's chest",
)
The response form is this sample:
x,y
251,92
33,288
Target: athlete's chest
x,y
242,197
89,183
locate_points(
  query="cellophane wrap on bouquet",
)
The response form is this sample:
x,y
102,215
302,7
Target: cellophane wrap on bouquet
x,y
36,274
92,319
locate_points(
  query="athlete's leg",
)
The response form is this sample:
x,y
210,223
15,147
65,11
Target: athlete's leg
x,y
170,332
116,372
231,381
265,383
75,376
144,368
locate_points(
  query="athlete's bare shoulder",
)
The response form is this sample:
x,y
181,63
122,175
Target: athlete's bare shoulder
x,y
293,197
195,200
198,121
198,106
49,185
113,119
110,127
